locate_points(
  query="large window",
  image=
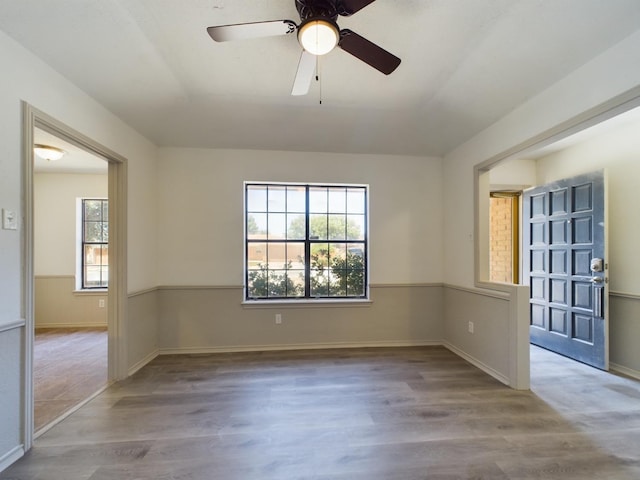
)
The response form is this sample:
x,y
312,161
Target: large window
x,y
95,243
305,241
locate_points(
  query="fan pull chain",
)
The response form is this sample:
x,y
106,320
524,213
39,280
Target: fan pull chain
x,y
319,78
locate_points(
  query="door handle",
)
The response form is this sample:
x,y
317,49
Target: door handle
x,y
597,302
597,279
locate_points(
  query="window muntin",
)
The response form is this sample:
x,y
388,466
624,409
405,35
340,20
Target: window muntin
x,y
95,243
305,241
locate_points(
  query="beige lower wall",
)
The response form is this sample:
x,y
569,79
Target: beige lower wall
x,y
142,328
11,352
624,333
214,319
198,319
488,345
56,304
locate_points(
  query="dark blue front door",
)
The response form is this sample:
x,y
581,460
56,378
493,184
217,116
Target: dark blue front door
x,y
565,259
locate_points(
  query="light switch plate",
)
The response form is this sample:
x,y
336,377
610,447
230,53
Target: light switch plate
x,y
9,220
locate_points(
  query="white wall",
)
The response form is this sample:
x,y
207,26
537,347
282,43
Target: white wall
x,y
10,242
27,78
54,204
513,175
200,195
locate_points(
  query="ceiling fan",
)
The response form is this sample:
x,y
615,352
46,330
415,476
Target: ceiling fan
x,y
318,34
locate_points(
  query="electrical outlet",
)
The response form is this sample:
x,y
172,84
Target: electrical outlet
x,y
278,318
470,327
101,303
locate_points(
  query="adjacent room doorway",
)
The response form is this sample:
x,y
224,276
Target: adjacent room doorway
x,y
71,278
115,301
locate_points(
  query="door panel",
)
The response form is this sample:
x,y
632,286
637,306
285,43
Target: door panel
x,y
564,230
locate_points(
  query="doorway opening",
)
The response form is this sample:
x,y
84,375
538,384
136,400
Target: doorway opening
x,y
115,303
70,363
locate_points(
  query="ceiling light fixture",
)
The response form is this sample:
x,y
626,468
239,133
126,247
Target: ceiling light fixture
x,y
318,36
47,152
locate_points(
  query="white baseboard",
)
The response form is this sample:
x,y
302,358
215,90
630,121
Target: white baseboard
x,y
138,365
298,346
630,372
69,412
71,325
11,457
474,361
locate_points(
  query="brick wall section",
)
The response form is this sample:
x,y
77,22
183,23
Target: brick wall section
x,y
501,240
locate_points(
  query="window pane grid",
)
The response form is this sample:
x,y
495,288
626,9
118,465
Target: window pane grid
x,y
95,247
305,241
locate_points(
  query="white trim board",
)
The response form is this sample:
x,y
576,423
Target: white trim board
x,y
4,327
474,361
630,296
69,412
294,346
70,325
11,457
629,372
142,363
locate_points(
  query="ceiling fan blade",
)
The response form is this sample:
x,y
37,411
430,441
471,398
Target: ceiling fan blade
x,y
368,52
242,31
304,75
349,7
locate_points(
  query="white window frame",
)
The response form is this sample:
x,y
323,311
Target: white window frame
x,y
307,296
80,247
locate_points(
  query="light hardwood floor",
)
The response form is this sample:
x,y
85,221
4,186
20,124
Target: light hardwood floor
x,y
70,364
363,414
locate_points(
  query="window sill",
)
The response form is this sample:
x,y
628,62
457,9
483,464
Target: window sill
x,y
307,303
92,291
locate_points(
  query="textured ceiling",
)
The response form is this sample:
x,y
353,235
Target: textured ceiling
x,y
465,64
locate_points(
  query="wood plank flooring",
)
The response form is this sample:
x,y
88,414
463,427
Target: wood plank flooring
x,y
362,414
70,364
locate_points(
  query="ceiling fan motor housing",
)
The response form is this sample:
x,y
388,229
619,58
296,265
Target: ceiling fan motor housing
x,y
325,9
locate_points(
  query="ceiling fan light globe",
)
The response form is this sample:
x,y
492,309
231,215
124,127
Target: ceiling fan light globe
x,y
318,37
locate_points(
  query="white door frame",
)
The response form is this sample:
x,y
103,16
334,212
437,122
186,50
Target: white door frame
x,y
117,297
